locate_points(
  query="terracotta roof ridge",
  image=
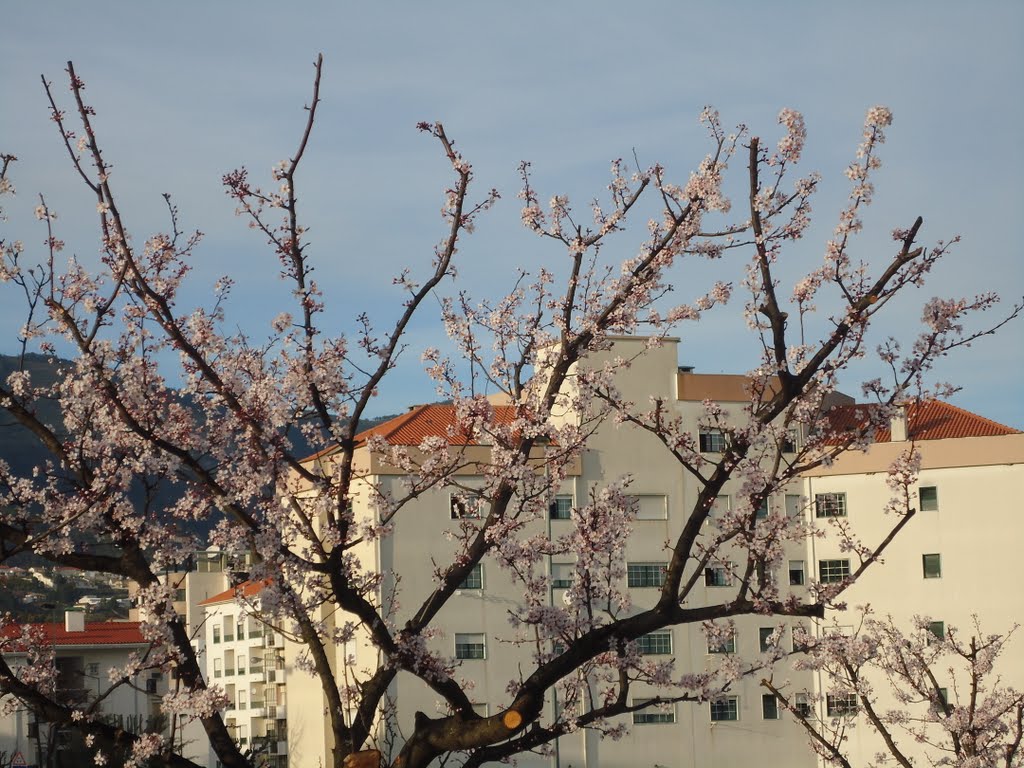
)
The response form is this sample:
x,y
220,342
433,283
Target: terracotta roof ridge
x,y
243,589
391,426
972,414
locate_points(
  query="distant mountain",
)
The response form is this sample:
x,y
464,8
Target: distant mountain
x,y
23,452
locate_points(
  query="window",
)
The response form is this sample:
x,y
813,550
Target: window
x,y
717,576
474,579
794,505
937,629
229,629
796,573
830,504
655,644
651,507
653,714
179,595
712,441
725,708
241,665
833,571
725,646
218,668
841,704
465,506
801,638
561,575
240,629
561,508
802,705
941,702
645,574
469,646
929,498
216,634
762,510
93,668
790,441
932,565
769,706
767,639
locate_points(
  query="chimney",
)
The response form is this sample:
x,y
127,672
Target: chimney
x,y
898,424
74,621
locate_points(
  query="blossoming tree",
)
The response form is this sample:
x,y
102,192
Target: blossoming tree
x,y
221,435
930,691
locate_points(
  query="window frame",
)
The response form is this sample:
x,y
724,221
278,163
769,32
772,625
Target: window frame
x,y
932,504
643,572
557,583
830,504
712,573
652,644
765,698
726,648
711,440
458,499
802,570
475,575
831,573
841,704
934,560
653,715
642,511
764,642
555,510
462,652
731,712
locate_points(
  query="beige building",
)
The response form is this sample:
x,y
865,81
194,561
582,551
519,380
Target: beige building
x,y
969,491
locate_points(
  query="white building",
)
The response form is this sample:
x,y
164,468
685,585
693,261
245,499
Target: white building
x,y
247,659
85,653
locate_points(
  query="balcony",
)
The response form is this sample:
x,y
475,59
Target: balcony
x,y
257,709
270,676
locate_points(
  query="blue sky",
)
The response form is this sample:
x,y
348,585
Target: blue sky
x,y
187,91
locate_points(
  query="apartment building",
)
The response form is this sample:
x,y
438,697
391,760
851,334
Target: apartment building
x,y
247,659
953,561
85,653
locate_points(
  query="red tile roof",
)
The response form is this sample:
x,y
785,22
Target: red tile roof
x,y
927,420
95,633
422,421
245,589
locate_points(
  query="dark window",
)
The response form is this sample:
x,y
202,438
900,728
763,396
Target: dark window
x,y
769,706
929,496
932,565
561,508
712,441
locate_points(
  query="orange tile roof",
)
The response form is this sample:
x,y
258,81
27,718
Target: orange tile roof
x,y
245,589
95,633
422,421
927,420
